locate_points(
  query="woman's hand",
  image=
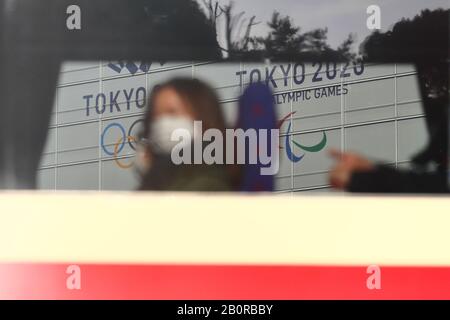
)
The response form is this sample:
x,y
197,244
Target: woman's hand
x,y
347,164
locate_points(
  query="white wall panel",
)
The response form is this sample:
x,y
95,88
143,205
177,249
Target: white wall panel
x,y
374,110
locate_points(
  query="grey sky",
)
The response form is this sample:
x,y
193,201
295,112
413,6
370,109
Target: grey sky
x,y
340,16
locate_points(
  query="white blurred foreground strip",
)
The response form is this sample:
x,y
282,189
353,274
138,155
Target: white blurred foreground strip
x,y
182,228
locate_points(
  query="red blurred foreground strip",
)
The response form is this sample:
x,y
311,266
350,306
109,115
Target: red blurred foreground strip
x,y
48,281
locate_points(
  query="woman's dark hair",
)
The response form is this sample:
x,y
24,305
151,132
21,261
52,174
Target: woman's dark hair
x,y
205,107
201,98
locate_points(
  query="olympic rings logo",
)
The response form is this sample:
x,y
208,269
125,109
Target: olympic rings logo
x,y
126,137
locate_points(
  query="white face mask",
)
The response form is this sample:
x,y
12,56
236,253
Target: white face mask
x,y
162,129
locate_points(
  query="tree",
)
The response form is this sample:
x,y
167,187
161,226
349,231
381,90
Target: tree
x,y
423,38
282,38
213,12
423,41
236,39
285,41
345,49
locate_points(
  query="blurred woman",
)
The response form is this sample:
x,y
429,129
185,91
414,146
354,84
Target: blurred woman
x,y
173,105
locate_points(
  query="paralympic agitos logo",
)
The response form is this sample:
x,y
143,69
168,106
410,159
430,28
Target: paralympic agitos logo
x,y
287,144
127,137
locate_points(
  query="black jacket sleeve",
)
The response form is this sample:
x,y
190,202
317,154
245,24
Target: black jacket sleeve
x,y
388,180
